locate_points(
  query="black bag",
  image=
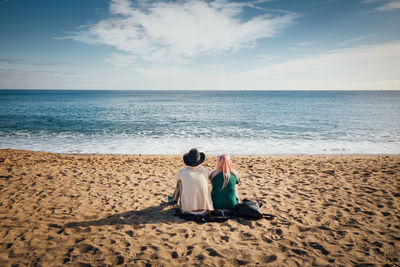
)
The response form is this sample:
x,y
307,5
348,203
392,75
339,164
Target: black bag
x,y
248,209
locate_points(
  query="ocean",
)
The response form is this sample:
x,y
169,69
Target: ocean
x,y
172,122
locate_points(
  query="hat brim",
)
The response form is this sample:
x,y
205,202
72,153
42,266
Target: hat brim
x,y
191,163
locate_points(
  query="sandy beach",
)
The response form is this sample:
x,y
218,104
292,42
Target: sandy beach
x,y
96,210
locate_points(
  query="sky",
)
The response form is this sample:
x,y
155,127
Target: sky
x,y
200,45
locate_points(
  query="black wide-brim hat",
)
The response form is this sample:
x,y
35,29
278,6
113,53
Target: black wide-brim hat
x,y
194,157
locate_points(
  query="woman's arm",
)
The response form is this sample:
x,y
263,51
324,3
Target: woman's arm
x,y
237,192
211,174
178,191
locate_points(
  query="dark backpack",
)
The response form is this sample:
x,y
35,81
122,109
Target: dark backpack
x,y
248,209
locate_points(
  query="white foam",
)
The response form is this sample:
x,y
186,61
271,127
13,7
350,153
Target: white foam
x,y
126,144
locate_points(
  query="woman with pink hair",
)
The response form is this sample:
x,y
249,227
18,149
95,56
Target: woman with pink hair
x,y
224,181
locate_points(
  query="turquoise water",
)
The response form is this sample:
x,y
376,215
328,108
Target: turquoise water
x,y
172,122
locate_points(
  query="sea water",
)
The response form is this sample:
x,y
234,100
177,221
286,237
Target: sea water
x,y
172,122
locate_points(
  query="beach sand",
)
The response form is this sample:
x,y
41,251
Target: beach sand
x,y
81,210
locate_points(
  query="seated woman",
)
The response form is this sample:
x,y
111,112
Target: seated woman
x,y
192,185
224,181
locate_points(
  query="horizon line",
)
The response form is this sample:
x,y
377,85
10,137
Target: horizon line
x,y
206,90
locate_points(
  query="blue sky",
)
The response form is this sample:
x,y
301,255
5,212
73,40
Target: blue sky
x,y
200,45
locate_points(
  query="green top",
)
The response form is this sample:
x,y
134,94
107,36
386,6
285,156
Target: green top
x,y
225,199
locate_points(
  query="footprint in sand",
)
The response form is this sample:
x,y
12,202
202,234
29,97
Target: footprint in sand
x,y
130,233
299,251
270,258
190,250
213,253
174,255
120,260
316,245
200,257
225,238
86,248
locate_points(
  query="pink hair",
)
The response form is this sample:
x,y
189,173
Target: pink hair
x,y
224,164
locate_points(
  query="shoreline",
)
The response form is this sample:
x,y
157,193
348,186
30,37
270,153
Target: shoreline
x,y
210,155
111,209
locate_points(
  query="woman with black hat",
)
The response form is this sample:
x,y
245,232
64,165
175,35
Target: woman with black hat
x,y
192,184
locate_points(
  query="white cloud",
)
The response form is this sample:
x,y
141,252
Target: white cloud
x,y
183,30
392,5
49,79
120,60
388,6
359,67
16,61
306,43
372,67
370,1
368,67
353,40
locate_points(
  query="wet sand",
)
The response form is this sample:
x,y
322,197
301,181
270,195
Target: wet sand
x,y
81,210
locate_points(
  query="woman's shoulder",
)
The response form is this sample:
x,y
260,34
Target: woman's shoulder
x,y
182,170
215,173
235,173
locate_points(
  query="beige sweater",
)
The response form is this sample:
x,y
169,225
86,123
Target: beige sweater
x,y
195,193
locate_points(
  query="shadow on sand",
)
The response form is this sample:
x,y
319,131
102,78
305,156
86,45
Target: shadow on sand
x,y
154,214
150,215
